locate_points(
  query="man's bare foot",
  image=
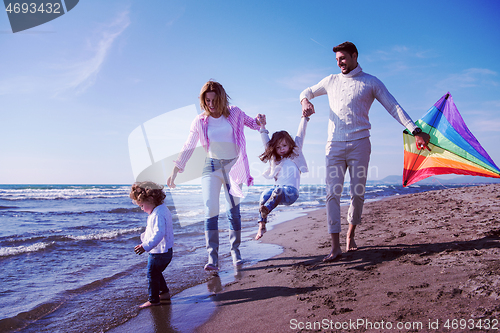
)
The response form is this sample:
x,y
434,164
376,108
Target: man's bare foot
x,y
262,230
350,245
264,211
148,304
333,256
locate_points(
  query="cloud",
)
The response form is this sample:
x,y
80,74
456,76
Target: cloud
x,y
484,118
472,77
174,14
399,59
81,75
72,76
301,81
398,52
487,125
493,104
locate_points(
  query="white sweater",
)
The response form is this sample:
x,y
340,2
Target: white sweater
x,y
350,97
159,234
288,171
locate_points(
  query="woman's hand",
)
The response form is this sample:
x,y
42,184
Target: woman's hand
x,y
171,179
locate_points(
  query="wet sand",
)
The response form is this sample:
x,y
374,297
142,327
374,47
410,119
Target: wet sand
x,y
426,262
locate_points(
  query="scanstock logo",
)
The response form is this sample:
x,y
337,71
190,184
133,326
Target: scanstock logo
x,y
31,13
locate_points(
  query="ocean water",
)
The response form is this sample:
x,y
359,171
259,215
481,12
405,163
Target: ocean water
x,y
67,258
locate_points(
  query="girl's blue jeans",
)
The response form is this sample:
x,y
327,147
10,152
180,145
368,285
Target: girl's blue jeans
x,y
278,195
157,262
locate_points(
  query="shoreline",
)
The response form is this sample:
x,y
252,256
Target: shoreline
x,y
194,306
125,290
424,259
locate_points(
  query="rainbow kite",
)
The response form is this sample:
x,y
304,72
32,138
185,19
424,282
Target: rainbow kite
x,y
453,147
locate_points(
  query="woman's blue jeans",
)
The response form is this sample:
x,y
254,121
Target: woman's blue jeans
x,y
214,177
278,195
157,262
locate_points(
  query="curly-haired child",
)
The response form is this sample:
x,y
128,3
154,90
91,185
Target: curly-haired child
x,y
286,164
158,238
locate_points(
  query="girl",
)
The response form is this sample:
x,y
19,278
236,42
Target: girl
x,y
286,164
158,238
220,130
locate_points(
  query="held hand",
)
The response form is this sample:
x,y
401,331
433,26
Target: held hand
x,y
139,249
261,119
308,112
307,108
422,140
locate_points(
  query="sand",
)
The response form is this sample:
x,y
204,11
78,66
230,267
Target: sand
x,y
426,262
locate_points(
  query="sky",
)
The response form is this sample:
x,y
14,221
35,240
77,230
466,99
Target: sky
x,y
74,89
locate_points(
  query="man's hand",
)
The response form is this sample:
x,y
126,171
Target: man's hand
x,y
307,107
422,140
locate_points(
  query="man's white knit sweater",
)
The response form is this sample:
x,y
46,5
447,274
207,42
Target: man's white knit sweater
x,y
351,96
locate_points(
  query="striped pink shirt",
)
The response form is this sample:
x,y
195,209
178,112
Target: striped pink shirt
x,y
240,172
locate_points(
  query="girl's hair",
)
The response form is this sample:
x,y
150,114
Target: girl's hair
x,y
270,151
221,98
145,191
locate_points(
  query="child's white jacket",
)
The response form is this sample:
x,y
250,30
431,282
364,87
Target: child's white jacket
x,y
159,234
298,157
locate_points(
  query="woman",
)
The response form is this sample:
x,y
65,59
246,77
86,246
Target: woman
x,y
220,130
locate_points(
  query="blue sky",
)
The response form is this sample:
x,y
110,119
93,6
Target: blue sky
x,y
73,90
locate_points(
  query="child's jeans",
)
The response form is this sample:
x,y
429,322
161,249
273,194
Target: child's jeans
x,y
157,262
278,195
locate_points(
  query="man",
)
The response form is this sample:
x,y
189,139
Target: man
x,y
350,95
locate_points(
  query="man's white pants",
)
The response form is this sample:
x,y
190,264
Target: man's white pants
x,y
340,157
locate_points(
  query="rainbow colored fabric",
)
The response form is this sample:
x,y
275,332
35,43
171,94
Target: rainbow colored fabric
x,y
453,147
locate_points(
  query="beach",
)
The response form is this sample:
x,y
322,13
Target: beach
x,y
425,253
427,262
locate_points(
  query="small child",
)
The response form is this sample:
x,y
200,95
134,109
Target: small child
x,y
286,164
158,238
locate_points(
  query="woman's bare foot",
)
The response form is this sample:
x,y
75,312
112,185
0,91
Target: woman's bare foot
x,y
262,230
148,304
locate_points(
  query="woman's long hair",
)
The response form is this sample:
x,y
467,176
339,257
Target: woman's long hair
x,y
270,152
221,98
